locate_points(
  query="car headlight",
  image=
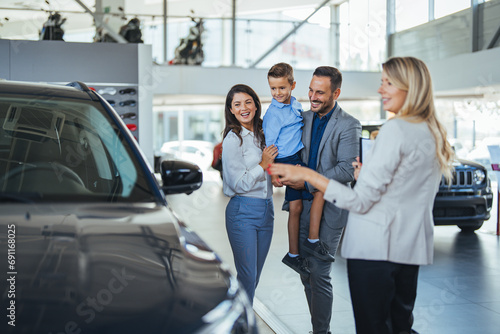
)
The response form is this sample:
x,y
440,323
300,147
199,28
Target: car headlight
x,y
479,176
233,315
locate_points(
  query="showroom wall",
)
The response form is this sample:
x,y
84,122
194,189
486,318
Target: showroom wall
x,y
100,65
448,36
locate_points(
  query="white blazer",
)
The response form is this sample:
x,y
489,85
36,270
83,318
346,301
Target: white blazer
x,y
390,208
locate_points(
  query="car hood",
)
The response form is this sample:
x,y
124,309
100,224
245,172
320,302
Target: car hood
x,y
470,163
105,268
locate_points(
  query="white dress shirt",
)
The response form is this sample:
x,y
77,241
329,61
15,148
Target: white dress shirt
x,y
242,174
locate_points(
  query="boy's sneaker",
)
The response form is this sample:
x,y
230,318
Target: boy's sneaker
x,y
298,264
318,249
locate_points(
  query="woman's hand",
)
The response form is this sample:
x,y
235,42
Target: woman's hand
x,y
357,168
297,174
288,173
268,155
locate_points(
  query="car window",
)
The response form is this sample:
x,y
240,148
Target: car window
x,y
57,149
190,149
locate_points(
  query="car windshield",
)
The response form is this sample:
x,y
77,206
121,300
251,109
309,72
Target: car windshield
x,y
56,149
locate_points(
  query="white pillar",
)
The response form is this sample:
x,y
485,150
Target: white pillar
x,y
334,35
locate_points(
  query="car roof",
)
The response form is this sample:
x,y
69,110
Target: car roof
x,y
76,91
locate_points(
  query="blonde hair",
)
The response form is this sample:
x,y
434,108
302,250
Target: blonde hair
x,y
412,75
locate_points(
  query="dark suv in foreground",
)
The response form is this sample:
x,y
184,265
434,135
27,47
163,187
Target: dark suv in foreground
x,y
88,243
467,201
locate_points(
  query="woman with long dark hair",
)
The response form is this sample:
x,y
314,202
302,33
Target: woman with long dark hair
x,y
245,159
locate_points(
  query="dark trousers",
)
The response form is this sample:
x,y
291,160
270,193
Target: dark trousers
x,y
318,286
383,295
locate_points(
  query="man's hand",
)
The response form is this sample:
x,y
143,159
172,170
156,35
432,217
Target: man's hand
x,y
357,168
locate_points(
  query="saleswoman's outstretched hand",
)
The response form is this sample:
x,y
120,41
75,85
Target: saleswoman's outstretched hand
x,y
288,173
293,175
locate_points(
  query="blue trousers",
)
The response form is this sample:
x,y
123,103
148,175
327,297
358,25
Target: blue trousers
x,y
249,225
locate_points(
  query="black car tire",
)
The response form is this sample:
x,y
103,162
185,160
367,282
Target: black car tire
x,y
471,227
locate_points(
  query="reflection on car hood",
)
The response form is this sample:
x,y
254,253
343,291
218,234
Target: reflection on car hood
x,y
470,163
106,268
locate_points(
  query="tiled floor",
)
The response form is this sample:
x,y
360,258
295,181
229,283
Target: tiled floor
x,y
459,293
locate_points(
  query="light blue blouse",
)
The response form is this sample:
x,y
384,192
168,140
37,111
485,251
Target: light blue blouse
x,y
241,172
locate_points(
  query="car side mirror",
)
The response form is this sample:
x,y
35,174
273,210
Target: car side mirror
x,y
180,177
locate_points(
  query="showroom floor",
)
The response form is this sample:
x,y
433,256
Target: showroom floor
x,y
459,293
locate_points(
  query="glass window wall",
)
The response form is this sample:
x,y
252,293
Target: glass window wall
x,y
468,123
410,13
179,123
446,7
362,35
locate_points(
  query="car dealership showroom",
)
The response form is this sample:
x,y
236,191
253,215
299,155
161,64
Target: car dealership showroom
x,y
124,124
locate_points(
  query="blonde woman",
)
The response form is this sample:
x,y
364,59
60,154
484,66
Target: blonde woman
x,y
389,232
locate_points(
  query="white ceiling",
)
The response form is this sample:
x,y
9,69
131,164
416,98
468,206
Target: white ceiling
x,y
204,8
29,15
22,19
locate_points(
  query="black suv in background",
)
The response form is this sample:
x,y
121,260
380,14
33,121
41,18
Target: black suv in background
x,y
467,201
88,242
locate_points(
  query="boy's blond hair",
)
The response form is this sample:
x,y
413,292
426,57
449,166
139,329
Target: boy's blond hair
x,y
281,70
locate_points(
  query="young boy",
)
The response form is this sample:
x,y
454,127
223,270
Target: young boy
x,y
283,127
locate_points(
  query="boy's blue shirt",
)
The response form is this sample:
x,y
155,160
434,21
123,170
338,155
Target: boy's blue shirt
x,y
282,125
